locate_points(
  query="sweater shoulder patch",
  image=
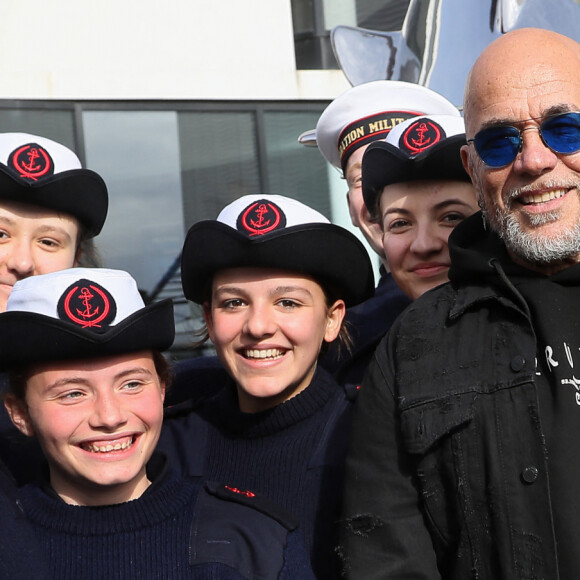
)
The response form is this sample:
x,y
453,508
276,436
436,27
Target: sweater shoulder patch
x,y
239,529
254,501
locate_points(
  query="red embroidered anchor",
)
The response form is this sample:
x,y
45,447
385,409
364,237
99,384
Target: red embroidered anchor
x,y
86,298
31,166
421,142
261,212
420,136
90,315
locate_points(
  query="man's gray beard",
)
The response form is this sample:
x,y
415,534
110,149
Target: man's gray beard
x,y
530,246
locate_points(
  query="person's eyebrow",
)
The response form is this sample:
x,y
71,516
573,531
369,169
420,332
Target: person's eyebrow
x,y
136,371
7,220
47,229
81,380
72,380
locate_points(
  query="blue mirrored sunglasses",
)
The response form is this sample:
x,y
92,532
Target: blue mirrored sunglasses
x,y
498,146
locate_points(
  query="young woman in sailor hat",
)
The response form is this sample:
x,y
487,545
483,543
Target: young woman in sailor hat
x,y
274,277
416,189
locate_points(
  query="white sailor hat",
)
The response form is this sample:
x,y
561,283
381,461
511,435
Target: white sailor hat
x,y
38,171
274,231
367,112
424,147
80,313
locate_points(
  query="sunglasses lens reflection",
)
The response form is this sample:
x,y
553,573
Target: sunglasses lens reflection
x,y
499,146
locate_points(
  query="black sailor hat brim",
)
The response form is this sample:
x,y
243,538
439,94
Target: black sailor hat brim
x,y
328,253
30,338
384,164
81,193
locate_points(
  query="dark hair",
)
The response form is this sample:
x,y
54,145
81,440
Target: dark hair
x,y
87,255
375,212
163,368
18,378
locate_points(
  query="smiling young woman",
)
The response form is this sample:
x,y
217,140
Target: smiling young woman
x,y
416,188
274,277
417,219
268,327
97,421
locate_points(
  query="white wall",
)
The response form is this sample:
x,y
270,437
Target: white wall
x,y
159,50
148,49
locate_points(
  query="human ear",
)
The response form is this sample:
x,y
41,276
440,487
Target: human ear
x,y
466,160
351,212
18,412
334,318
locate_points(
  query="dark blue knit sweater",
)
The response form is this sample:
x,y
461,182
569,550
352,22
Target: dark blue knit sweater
x,y
178,529
293,454
19,553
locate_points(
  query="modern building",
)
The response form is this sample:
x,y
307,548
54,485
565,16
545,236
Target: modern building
x,y
182,106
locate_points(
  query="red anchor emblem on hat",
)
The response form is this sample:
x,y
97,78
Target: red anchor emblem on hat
x,y
261,217
421,135
86,297
31,161
422,141
261,212
85,318
87,304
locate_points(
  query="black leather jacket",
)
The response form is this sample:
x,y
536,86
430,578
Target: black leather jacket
x,y
447,472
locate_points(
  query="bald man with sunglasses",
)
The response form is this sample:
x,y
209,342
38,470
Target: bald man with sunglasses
x,y
464,460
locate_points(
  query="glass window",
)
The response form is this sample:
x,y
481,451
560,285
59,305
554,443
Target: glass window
x,y
55,125
137,154
303,16
384,15
219,161
295,170
313,20
340,12
311,36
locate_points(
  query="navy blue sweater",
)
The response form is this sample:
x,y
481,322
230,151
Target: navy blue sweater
x,y
19,553
178,529
293,454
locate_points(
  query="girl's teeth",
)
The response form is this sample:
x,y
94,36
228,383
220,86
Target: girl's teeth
x,y
263,354
109,447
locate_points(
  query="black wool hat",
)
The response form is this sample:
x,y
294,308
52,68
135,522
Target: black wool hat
x,y
273,231
425,147
80,313
40,172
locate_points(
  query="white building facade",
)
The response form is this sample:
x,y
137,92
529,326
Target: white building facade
x,y
184,105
